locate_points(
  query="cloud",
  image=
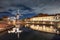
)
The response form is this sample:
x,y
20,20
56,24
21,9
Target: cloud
x,y
44,6
51,8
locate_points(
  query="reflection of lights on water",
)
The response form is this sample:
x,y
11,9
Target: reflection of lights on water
x,y
51,27
58,32
18,35
55,30
15,30
43,28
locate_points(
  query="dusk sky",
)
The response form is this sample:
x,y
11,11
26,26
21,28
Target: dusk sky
x,y
38,6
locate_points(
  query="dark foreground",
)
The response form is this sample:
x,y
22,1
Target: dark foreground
x,y
28,34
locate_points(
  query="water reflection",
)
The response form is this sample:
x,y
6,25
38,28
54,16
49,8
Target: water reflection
x,y
43,28
27,34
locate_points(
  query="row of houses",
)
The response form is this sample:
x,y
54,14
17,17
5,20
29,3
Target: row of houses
x,y
52,21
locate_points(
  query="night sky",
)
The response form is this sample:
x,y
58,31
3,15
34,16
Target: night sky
x,y
38,6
